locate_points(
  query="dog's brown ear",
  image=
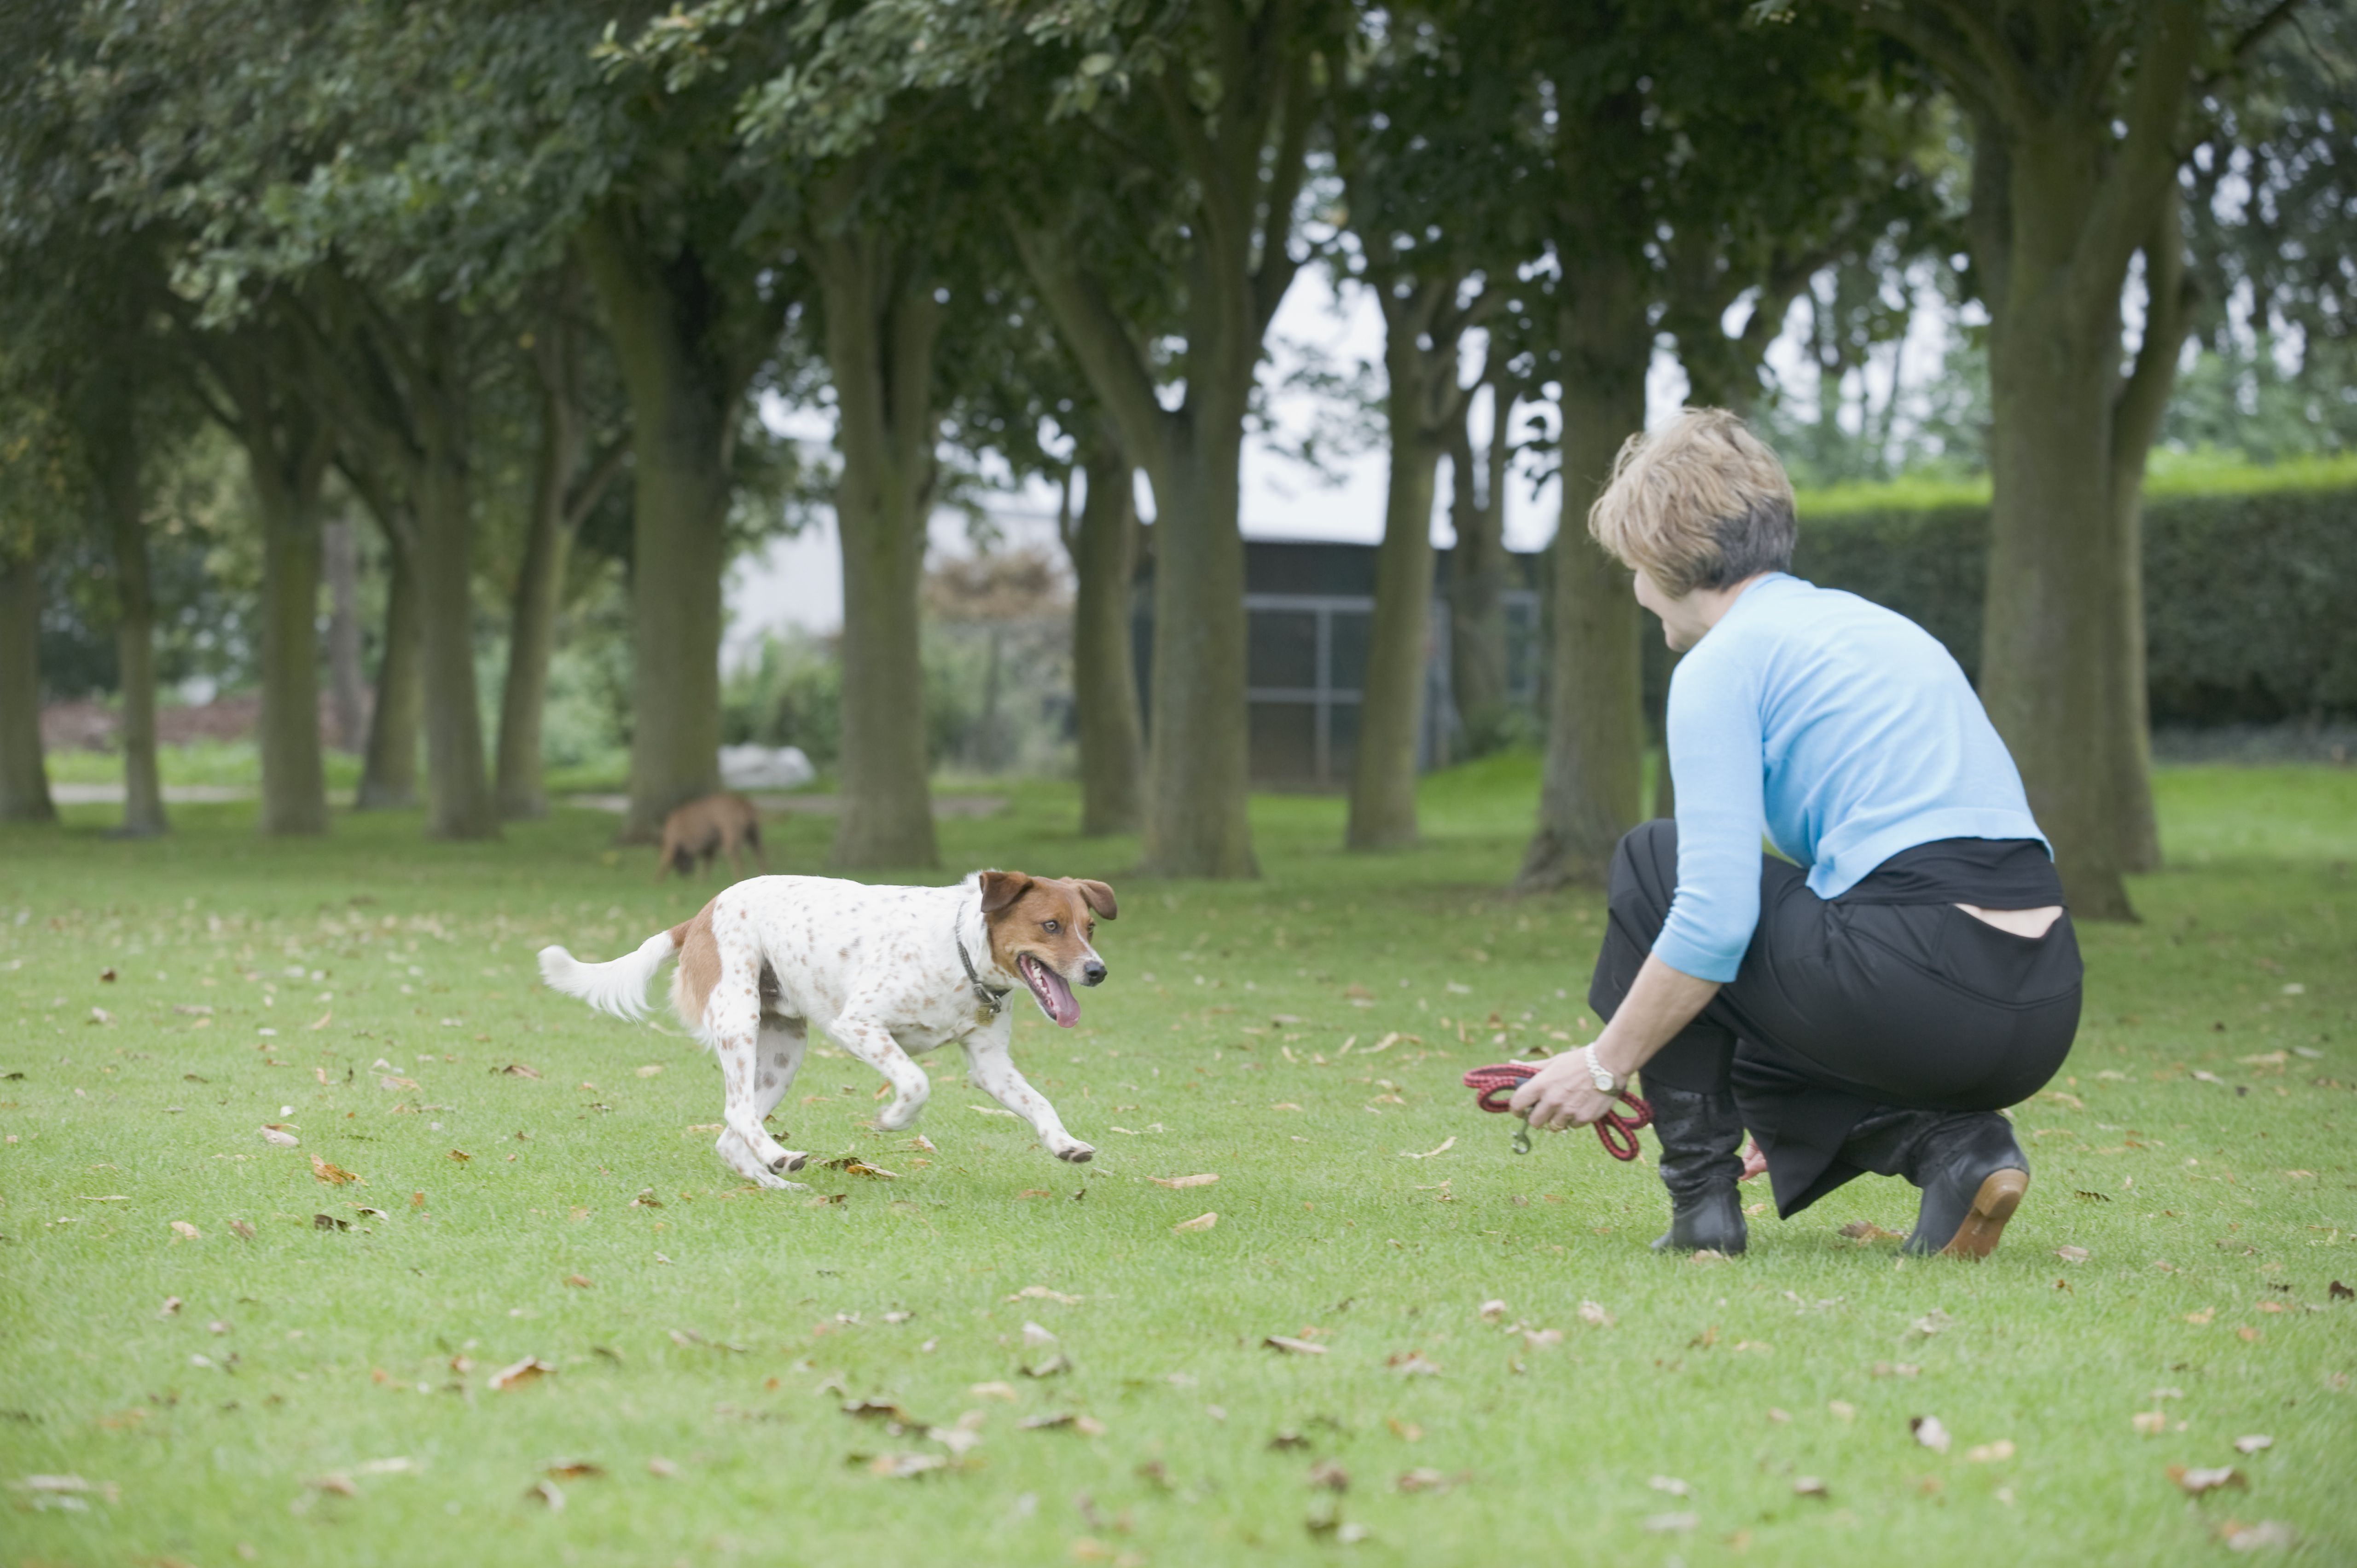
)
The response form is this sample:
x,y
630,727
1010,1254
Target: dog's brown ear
x,y
1000,888
1097,896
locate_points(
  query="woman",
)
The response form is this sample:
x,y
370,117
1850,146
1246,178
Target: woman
x,y
1870,1004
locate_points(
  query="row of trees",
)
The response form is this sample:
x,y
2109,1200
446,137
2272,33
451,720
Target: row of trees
x,y
411,246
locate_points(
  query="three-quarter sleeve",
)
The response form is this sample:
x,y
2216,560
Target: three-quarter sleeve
x,y
1717,762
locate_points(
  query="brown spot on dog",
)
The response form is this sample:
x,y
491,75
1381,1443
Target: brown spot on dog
x,y
1052,918
699,966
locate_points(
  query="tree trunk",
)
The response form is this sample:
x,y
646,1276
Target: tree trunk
x,y
340,558
134,632
1476,581
1199,764
683,403
1105,673
458,802
1595,732
294,780
531,617
881,325
389,772
1390,709
24,773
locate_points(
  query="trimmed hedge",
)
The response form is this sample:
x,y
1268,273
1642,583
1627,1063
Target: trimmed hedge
x,y
2250,582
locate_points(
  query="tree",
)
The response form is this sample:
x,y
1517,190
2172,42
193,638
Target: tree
x,y
1104,541
1479,569
36,483
1189,131
2078,111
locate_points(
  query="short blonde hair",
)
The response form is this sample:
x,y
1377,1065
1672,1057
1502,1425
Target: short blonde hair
x,y
1699,503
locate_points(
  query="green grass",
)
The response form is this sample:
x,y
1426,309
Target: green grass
x,y
2200,1205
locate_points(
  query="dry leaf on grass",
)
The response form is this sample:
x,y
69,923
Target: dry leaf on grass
x,y
334,1175
1671,1523
341,1486
1329,1475
520,1372
330,1222
461,1155
661,1469
2240,1537
995,1391
1594,1315
2193,1483
1201,1222
1285,1342
1672,1484
1430,1154
2071,1254
1811,1486
277,1136
514,1069
2149,1423
1052,1366
1036,1338
548,1492
2252,1443
650,1070
1206,1179
903,1466
1868,1230
579,1282
1930,1323
1990,1452
572,1469
245,1230
1041,1292
1413,1364
1425,1478
1929,1433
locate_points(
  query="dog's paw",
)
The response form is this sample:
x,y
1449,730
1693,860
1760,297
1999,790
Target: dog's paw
x,y
773,1181
789,1160
899,1116
1079,1154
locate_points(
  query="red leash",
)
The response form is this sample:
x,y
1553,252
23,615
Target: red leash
x,y
1497,1085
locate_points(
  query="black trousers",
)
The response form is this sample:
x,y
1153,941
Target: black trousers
x,y
1843,1010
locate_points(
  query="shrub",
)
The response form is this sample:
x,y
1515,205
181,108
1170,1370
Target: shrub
x,y
2248,576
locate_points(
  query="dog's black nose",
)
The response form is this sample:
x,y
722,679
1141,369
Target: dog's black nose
x,y
1093,973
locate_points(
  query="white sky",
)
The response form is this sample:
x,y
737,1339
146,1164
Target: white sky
x,y
797,582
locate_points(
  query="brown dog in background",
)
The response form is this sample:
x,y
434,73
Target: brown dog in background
x,y
703,829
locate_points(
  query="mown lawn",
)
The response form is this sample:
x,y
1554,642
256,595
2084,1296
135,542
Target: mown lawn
x,y
323,1395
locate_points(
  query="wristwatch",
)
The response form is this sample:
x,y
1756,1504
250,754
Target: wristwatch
x,y
1600,1075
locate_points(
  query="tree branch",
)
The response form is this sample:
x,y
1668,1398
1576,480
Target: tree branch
x,y
1277,265
2145,167
1109,358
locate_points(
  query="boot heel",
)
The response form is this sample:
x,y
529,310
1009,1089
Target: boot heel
x,y
2000,1194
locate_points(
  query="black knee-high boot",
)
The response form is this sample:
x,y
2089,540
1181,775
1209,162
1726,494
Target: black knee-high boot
x,y
1702,1139
1968,1165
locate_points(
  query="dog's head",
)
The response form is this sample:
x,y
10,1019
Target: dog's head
x,y
1044,929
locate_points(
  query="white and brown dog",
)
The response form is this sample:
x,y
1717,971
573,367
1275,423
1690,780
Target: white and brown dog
x,y
889,973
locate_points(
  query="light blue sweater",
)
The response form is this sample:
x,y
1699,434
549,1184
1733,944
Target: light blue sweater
x,y
1841,729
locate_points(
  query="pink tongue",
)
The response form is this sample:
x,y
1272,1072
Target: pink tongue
x,y
1049,985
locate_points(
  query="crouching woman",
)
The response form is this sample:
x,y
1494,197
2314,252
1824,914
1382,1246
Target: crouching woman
x,y
1869,1003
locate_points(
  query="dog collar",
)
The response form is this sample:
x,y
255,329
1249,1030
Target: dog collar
x,y
993,1002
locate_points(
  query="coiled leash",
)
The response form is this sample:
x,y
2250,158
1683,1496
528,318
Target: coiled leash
x,y
1497,1085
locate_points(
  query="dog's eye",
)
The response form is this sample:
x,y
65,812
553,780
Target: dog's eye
x,y
1050,927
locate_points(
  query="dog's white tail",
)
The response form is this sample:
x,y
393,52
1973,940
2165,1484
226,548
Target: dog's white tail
x,y
619,987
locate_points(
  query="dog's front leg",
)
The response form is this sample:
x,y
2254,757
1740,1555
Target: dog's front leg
x,y
991,1069
872,1043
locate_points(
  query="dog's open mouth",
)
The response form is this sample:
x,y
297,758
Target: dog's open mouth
x,y
1049,990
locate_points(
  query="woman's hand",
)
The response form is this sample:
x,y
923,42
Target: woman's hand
x,y
1563,1093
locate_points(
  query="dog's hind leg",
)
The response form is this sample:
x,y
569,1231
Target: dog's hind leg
x,y
732,1020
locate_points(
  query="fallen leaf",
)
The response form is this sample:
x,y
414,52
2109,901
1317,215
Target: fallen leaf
x,y
339,1484
1930,1323
107,974
1206,1179
1201,1222
1423,1479
650,1070
1669,1524
1672,1484
2071,1254
171,1307
851,1165
2149,1423
334,1175
1407,1430
1594,1315
1492,1311
1329,1475
2204,1315
461,1155
1929,1433
278,1138
2247,1335
903,1466
1053,1366
572,1469
1284,1440
245,1230
1811,1486
1868,1230
1041,1292
2193,1483
1413,1364
515,1069
548,1492
1036,1338
1431,1153
1296,1347
578,1282
995,1391
1990,1452
330,1222
2256,1536
1842,1410
2252,1443
520,1372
